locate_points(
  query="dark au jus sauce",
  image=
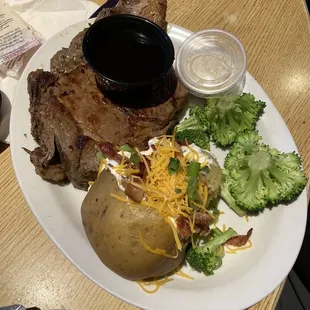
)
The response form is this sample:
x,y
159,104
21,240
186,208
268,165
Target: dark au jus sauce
x,y
144,97
132,58
129,58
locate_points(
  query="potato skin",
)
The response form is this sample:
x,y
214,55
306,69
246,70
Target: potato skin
x,y
113,229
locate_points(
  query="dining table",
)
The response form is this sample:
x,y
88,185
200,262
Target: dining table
x,y
276,36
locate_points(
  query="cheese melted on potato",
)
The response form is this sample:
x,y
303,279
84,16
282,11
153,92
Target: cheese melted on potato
x,y
165,192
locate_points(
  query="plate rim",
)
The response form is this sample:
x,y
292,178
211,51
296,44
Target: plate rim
x,y
46,230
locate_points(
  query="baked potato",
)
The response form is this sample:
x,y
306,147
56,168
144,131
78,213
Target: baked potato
x,y
113,228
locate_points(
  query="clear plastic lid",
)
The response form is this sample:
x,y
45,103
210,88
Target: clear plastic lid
x,y
211,62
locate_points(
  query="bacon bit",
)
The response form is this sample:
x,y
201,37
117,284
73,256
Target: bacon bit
x,y
133,192
179,155
153,147
181,143
142,172
202,222
201,225
241,240
109,151
184,228
203,231
177,145
203,219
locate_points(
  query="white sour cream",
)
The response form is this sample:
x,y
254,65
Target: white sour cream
x,y
204,156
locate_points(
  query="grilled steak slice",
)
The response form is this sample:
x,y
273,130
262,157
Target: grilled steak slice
x,y
53,171
103,121
154,10
70,117
68,59
39,90
64,152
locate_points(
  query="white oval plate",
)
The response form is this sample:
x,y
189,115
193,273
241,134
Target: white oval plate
x,y
244,279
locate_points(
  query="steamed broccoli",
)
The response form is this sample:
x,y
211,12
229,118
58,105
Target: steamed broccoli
x,y
259,175
227,197
198,137
193,128
197,120
229,115
206,258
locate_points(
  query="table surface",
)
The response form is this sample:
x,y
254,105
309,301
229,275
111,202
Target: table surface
x,y
276,36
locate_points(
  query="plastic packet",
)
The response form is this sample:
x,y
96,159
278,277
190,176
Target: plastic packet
x,y
16,39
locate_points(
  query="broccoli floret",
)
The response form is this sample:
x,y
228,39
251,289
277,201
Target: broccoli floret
x,y
197,120
193,129
259,175
227,197
198,137
205,258
229,115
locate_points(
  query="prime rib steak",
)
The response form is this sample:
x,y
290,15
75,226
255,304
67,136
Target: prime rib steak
x,y
70,116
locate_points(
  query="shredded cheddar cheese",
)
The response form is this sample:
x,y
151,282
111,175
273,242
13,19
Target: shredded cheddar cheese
x,y
184,275
123,199
165,192
231,252
156,283
235,249
103,165
123,169
192,223
157,251
193,151
205,192
220,252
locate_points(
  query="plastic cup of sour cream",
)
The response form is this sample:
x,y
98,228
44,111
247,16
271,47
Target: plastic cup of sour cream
x,y
212,63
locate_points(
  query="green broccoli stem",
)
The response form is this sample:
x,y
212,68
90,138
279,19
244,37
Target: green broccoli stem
x,y
189,123
228,198
217,241
230,201
217,232
216,214
192,173
205,258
